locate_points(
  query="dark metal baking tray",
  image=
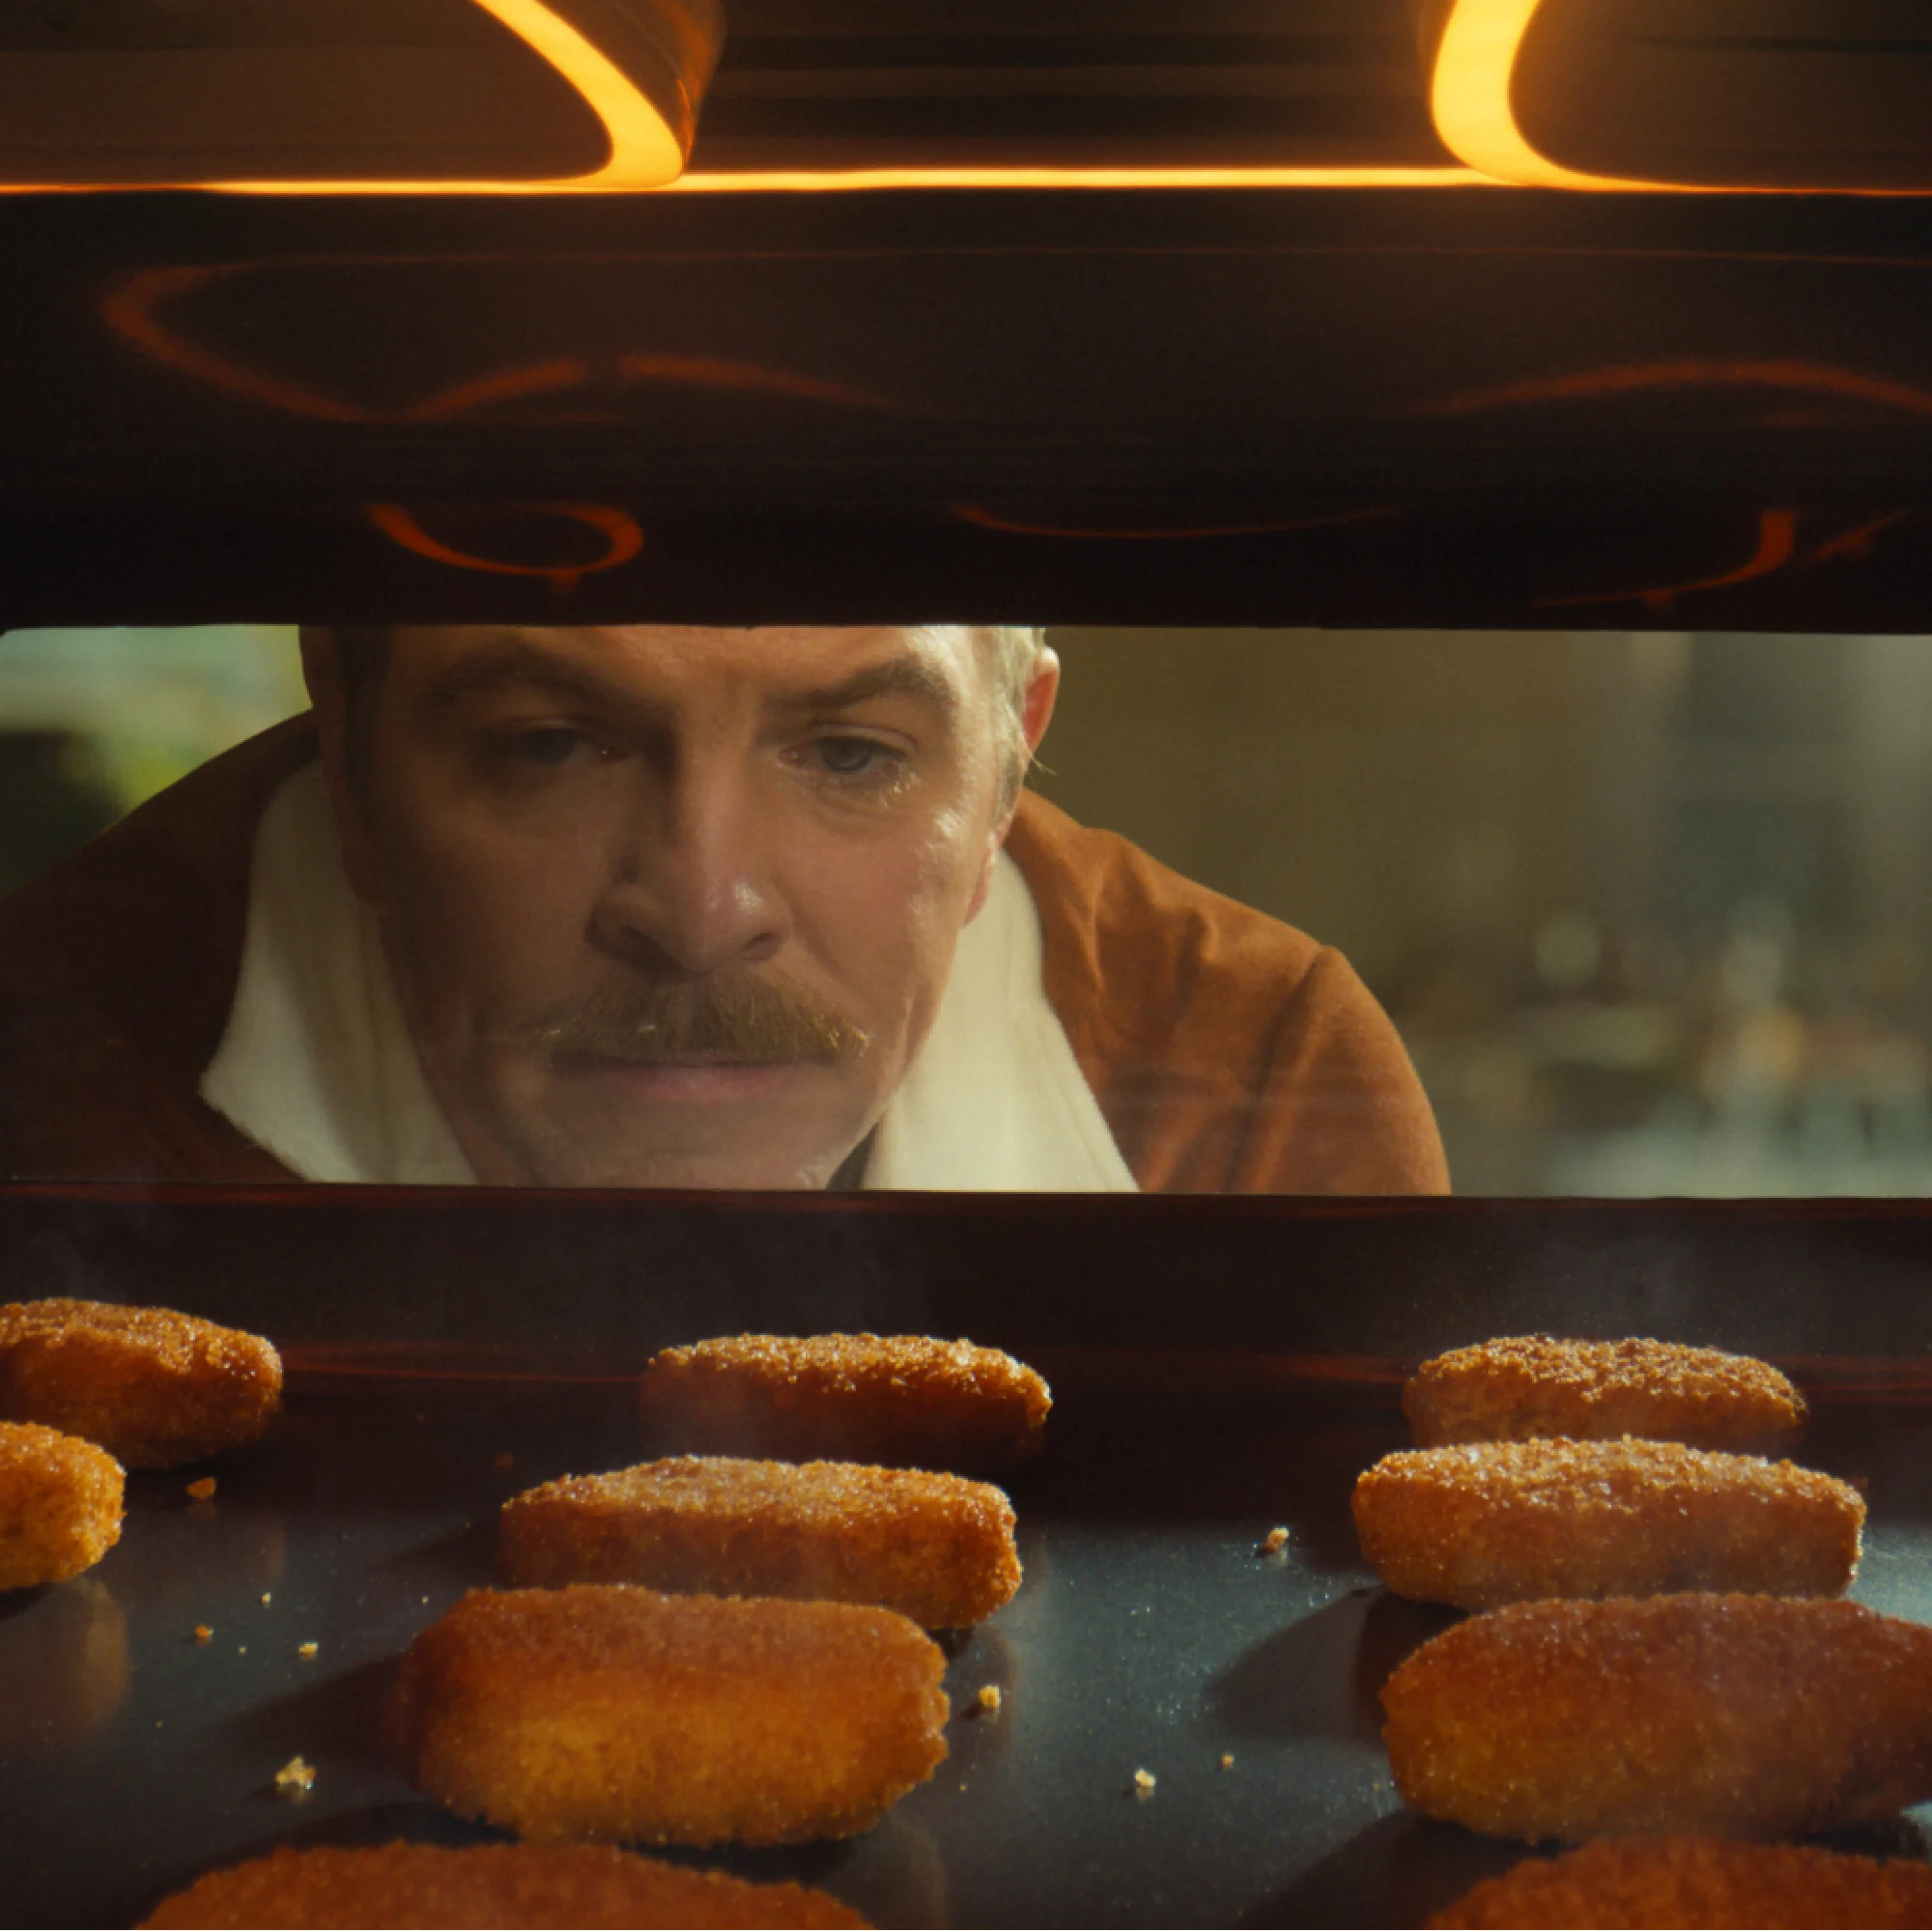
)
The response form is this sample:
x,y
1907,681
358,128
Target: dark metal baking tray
x,y
1149,1633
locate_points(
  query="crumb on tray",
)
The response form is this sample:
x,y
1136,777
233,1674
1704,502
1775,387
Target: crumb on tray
x,y
988,1699
203,1633
1274,1542
307,1649
1144,1783
295,1778
202,1489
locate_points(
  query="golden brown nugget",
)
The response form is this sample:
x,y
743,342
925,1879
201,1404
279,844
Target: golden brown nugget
x,y
609,1710
1697,1882
60,1505
487,1885
904,1400
938,1549
1532,1385
1734,1715
1482,1523
154,1387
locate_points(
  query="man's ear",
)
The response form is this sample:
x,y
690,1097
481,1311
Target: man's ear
x,y
329,699
1035,715
1041,692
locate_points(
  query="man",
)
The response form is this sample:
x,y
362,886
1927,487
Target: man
x,y
674,907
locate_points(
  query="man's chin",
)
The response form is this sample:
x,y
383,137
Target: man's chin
x,y
684,1176
692,1125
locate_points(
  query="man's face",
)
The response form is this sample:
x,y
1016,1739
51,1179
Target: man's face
x,y
672,906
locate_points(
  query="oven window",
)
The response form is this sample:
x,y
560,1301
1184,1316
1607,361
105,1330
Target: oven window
x,y
1645,910
95,722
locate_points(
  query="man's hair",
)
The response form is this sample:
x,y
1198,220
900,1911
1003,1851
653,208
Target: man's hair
x,y
362,651
1016,649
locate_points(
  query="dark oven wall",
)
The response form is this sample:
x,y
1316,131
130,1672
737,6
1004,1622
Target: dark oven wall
x,y
1368,407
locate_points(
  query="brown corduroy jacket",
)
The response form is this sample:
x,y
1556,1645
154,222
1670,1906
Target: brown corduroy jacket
x,y
1228,1052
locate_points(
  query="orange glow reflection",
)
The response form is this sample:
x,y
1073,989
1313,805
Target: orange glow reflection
x,y
1822,379
73,1667
990,520
1857,544
711,372
132,310
1777,546
619,531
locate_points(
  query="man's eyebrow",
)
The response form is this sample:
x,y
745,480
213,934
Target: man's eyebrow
x,y
899,677
514,664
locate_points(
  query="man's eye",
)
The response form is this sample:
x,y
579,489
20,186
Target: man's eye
x,y
853,757
550,745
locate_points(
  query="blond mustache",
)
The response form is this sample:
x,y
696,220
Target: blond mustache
x,y
735,1018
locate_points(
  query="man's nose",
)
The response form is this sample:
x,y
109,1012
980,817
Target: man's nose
x,y
691,885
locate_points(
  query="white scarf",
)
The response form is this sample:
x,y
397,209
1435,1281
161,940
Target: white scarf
x,y
317,1064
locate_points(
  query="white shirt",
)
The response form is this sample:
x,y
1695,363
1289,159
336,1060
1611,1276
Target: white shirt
x,y
317,1064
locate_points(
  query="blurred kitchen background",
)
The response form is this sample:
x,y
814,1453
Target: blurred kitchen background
x,y
1651,909
94,722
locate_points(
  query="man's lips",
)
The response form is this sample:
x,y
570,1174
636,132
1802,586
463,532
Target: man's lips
x,y
718,1063
696,1080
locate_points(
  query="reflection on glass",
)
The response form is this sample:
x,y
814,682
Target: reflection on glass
x,y
133,710
1645,907
727,908
985,1677
893,1874
654,906
67,1667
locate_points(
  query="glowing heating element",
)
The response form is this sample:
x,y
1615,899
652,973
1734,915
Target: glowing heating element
x,y
857,179
645,152
1469,98
1470,101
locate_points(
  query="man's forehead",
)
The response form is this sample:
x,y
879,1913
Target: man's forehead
x,y
784,654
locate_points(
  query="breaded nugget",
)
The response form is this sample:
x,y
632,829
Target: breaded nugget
x,y
1697,1882
151,1387
487,1885
905,1400
60,1505
1483,1523
608,1710
1533,1385
938,1549
1737,1715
